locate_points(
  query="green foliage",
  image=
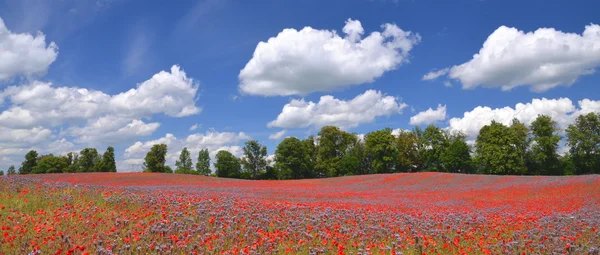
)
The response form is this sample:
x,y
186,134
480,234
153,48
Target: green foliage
x,y
583,137
227,165
50,164
167,169
409,158
456,158
30,162
433,141
1,172
203,163
270,173
292,159
155,159
543,151
89,160
108,161
356,160
11,170
184,164
382,150
255,159
498,149
333,144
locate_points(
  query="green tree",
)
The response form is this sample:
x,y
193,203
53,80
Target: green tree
x,y
583,137
409,158
433,143
292,159
456,158
382,150
255,158
1,172
333,144
74,163
311,149
203,163
497,150
521,141
546,139
356,160
168,170
566,164
89,160
11,170
184,164
51,164
227,165
30,162
155,159
108,160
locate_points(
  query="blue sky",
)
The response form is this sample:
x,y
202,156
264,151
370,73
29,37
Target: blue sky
x,y
112,46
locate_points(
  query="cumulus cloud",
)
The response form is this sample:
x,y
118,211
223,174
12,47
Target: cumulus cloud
x,y
300,62
118,116
429,116
213,141
364,108
542,59
277,135
562,110
24,54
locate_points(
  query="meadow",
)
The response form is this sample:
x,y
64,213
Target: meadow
x,y
410,213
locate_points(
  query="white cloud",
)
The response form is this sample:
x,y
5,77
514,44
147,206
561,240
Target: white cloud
x,y
300,62
429,116
543,59
562,110
194,127
364,108
170,93
213,141
277,135
435,74
112,129
108,117
24,54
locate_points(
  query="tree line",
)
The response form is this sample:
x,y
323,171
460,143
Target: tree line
x,y
87,160
515,149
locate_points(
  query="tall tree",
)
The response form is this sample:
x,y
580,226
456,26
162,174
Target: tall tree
x,y
521,141
333,144
155,159
203,163
583,137
456,158
184,164
227,165
497,150
11,170
30,162
356,160
74,162
88,160
408,159
311,148
50,164
434,141
108,160
292,159
546,139
382,150
255,158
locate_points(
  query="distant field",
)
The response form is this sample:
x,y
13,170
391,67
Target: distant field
x,y
420,213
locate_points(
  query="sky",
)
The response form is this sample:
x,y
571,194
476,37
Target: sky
x,y
215,73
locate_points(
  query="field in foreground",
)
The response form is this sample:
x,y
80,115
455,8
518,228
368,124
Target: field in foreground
x,y
422,213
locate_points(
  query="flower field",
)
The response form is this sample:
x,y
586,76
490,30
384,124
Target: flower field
x,y
421,213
